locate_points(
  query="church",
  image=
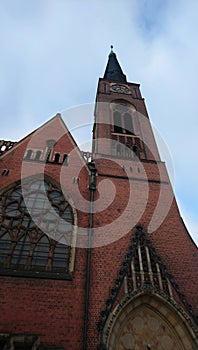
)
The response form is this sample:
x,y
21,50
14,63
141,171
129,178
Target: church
x,y
94,254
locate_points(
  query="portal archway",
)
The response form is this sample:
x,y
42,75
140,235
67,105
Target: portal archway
x,y
149,321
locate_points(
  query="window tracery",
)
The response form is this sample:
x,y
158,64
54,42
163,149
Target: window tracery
x,y
36,228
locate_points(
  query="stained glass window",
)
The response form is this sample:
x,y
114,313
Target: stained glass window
x,y
36,225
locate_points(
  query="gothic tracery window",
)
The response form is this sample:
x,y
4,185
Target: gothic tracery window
x,y
36,228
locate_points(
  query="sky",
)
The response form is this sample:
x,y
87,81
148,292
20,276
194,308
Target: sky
x,y
54,51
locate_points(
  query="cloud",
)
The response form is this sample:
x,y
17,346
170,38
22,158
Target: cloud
x,y
52,53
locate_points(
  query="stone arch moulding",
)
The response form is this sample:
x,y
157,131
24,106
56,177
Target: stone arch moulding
x,y
149,320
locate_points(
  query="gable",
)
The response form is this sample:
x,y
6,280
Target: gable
x,y
144,269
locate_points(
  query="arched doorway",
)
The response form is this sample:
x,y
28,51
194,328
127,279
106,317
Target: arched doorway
x,y
149,321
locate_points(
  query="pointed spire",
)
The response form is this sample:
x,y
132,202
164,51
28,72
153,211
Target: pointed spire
x,y
113,70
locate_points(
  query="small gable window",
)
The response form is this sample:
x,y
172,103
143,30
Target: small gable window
x,y
29,154
65,159
56,158
38,155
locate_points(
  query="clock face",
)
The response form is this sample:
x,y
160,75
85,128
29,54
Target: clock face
x,y
122,89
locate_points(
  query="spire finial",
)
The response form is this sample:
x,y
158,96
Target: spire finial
x,y
113,70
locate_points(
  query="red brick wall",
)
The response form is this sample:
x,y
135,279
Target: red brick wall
x,y
171,240
49,307
55,308
52,308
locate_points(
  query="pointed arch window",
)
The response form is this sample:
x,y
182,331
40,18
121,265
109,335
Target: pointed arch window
x,y
38,155
56,157
122,118
36,228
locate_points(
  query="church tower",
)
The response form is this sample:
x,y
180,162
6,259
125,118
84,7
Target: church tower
x,y
149,267
94,255
121,108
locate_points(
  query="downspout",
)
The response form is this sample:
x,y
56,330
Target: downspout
x,y
92,188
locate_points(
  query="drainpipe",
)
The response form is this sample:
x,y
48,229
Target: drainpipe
x,y
92,188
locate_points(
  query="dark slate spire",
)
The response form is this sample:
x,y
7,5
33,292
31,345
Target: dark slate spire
x,y
113,70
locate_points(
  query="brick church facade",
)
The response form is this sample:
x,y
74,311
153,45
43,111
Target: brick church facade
x,y
93,252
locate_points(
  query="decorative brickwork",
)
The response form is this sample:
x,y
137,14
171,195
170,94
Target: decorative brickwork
x,y
143,267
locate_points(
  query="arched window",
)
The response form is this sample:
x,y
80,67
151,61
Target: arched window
x,y
38,155
65,159
36,228
117,122
122,118
57,157
29,154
